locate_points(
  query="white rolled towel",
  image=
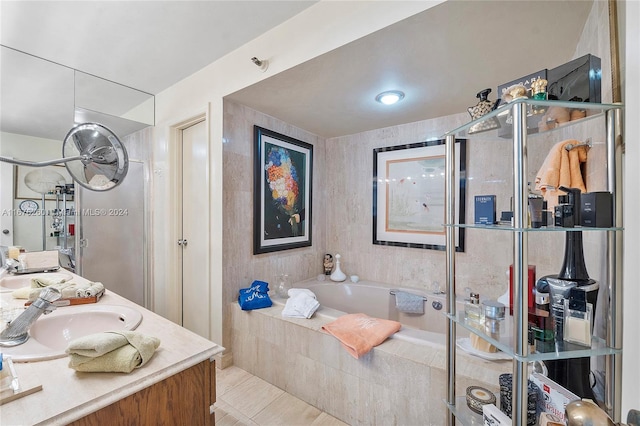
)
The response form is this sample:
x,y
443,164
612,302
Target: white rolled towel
x,y
300,306
292,292
93,290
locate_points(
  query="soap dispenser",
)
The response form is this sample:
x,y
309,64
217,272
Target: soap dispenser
x,y
337,274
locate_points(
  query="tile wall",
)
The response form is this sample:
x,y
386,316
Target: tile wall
x,y
396,383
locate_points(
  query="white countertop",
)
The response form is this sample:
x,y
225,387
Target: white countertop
x,y
68,395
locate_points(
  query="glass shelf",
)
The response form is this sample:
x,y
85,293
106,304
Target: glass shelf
x,y
463,413
499,227
504,341
492,122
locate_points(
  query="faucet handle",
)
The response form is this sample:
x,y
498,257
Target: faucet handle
x,y
46,298
50,294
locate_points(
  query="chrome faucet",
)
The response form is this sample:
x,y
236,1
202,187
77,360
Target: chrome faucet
x,y
17,331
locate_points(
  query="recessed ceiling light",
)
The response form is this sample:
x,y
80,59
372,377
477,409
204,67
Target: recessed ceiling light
x,y
390,97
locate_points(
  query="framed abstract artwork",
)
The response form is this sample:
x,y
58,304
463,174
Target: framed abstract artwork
x,y
283,169
409,195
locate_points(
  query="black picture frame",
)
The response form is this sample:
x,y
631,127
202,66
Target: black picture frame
x,y
408,195
283,177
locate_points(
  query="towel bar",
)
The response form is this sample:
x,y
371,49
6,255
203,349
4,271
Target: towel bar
x,y
393,292
586,143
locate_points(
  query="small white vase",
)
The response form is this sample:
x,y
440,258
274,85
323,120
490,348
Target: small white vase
x,y
337,274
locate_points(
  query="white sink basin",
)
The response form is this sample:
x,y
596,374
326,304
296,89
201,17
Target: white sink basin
x,y
13,282
51,334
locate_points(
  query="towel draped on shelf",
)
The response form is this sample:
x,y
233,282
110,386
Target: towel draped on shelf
x,y
254,297
359,333
301,303
561,168
111,351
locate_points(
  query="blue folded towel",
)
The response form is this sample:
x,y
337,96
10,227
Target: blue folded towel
x,y
254,297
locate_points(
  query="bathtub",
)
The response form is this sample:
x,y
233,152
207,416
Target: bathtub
x,y
400,382
377,300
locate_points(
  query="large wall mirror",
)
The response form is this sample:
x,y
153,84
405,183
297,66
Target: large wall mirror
x,y
41,101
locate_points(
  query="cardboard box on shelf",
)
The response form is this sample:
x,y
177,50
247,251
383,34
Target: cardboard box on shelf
x,y
492,416
554,398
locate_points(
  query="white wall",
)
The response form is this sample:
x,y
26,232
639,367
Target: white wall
x,y
322,27
631,98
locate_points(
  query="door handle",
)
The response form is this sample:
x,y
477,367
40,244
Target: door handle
x,y
182,242
5,231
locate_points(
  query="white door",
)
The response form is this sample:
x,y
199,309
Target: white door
x,y
195,230
6,204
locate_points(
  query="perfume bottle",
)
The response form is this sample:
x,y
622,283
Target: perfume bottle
x,y
577,317
539,89
473,309
539,93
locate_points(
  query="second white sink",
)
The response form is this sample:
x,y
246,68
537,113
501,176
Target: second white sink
x,y
13,282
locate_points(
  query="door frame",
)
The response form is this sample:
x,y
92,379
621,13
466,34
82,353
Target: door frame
x,y
174,284
7,202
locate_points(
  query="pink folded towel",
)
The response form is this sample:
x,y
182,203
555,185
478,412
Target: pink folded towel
x,y
359,333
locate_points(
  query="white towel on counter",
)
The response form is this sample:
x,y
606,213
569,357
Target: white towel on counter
x,y
292,292
67,290
42,281
302,305
93,290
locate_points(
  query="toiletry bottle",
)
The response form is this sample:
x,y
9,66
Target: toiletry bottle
x,y
577,317
539,89
544,322
535,208
473,309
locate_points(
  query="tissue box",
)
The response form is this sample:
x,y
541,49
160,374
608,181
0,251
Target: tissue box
x,y
492,416
485,209
554,398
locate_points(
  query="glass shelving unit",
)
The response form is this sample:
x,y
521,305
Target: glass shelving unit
x,y
513,335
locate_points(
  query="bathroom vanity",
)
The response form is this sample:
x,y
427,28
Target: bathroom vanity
x,y
177,386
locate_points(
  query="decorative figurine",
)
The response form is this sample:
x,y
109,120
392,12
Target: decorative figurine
x,y
328,264
517,91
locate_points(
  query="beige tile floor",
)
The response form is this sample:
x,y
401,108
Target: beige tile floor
x,y
244,399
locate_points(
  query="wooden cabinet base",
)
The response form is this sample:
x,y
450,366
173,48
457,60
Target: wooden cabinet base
x,y
182,399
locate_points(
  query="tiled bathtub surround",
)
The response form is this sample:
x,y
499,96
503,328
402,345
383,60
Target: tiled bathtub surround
x,y
398,382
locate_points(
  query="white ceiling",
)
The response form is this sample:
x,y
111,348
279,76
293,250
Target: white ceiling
x,y
441,58
146,45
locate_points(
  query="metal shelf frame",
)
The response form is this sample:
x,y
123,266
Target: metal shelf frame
x,y
520,352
